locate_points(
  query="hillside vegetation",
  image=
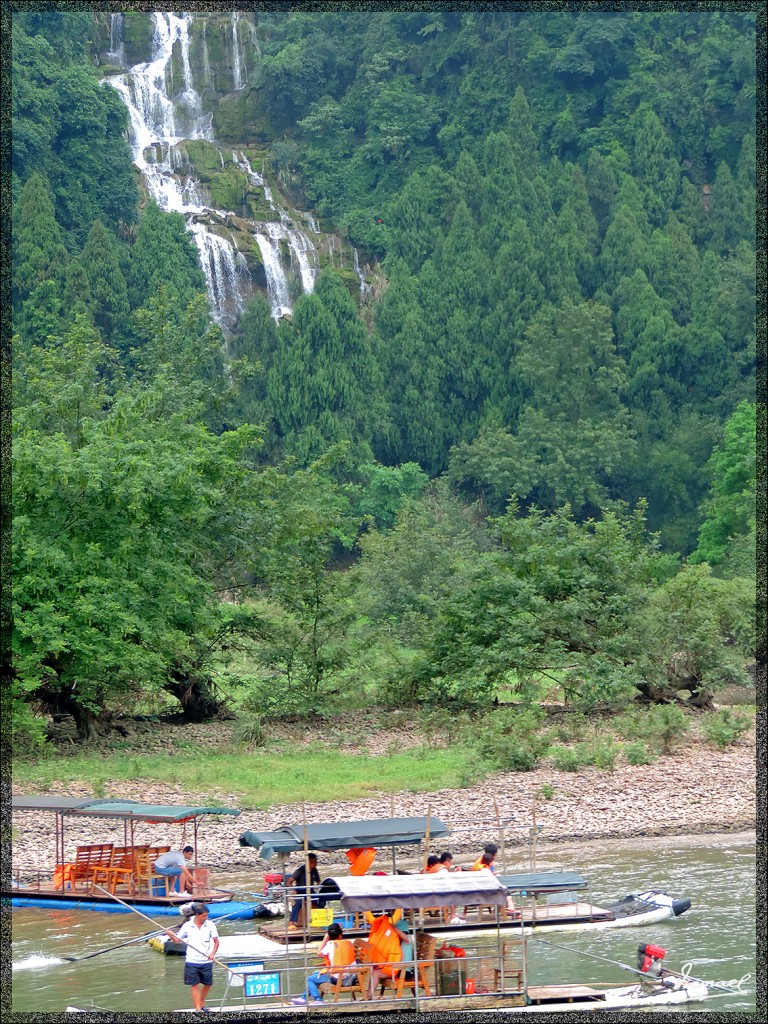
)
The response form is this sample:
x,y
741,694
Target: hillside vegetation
x,y
527,471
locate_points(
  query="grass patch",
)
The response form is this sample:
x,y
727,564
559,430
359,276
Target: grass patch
x,y
263,779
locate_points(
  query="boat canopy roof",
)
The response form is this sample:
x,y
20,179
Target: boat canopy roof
x,y
543,881
124,809
442,889
344,835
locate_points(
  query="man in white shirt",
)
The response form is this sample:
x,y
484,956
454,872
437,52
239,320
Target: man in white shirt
x,y
202,939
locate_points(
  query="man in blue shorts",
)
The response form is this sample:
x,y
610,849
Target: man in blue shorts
x,y
174,865
202,939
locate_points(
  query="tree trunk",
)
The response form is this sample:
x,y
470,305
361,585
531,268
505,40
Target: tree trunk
x,y
196,696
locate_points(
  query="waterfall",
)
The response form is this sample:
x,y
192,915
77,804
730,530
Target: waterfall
x,y
155,133
237,72
116,51
277,285
165,111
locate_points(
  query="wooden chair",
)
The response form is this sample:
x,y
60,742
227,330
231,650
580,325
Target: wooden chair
x,y
88,858
143,875
512,968
119,871
361,983
425,958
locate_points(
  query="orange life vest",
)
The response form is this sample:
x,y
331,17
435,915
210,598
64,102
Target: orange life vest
x,y
342,954
360,859
384,937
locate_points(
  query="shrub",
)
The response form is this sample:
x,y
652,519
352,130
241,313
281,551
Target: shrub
x,y
546,792
660,726
636,752
572,726
724,727
602,753
249,731
567,759
510,741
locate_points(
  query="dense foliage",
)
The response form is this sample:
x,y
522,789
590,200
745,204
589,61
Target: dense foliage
x,y
489,487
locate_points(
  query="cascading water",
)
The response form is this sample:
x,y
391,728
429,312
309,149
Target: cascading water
x,y
158,124
166,111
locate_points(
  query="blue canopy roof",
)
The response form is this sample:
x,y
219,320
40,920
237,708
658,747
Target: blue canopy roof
x,y
345,835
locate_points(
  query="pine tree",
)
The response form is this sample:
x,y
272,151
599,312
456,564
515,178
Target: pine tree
x,y
38,249
726,211
108,300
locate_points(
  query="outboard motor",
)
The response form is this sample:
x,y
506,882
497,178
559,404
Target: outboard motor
x,y
649,959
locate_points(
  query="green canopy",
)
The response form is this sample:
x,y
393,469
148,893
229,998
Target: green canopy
x,y
124,809
345,835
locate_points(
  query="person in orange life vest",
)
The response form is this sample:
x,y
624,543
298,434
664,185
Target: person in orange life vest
x,y
433,865
486,858
384,938
338,953
485,863
390,941
360,859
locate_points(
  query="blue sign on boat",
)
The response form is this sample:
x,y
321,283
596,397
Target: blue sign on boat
x,y
265,983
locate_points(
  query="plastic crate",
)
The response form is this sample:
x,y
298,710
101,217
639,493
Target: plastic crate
x,y
345,920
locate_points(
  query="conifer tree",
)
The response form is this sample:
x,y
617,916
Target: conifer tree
x,y
39,253
108,292
726,211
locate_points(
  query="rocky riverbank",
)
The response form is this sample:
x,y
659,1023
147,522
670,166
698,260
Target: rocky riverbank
x,y
696,791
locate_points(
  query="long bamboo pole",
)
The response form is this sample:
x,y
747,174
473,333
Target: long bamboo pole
x,y
158,927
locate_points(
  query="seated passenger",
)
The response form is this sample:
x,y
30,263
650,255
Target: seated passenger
x,y
338,953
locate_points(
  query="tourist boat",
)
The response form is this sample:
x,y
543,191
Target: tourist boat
x,y
554,903
488,974
100,872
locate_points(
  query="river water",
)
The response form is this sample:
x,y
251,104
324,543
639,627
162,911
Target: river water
x,y
716,937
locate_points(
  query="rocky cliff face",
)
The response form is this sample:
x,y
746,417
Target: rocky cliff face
x,y
201,138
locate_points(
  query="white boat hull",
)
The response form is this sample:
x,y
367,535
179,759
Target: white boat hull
x,y
630,997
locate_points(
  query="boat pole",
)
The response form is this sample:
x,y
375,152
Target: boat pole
x,y
140,938
636,970
158,927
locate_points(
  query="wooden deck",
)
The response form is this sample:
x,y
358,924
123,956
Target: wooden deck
x,y
563,994
49,891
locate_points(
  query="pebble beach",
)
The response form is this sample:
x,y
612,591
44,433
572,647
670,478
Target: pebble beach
x,y
696,791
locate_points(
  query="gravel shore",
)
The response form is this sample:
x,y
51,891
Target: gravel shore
x,y
696,791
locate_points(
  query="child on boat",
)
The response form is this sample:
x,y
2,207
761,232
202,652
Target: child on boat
x,y
338,953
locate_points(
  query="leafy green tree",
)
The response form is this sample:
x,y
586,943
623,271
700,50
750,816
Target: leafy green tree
x,y
307,611
656,167
163,254
573,435
727,538
700,634
127,512
727,223
554,602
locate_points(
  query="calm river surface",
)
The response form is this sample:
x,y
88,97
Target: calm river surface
x,y
716,937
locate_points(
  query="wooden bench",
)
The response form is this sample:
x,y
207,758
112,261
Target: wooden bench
x,y
87,860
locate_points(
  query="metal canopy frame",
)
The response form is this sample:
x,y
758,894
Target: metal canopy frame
x,y
128,811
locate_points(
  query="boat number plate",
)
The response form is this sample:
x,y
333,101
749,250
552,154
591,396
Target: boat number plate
x,y
266,983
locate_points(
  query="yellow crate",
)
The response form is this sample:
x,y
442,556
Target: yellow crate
x,y
320,918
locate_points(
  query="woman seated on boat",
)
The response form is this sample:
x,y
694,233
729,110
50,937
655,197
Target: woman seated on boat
x,y
337,952
174,865
386,936
486,863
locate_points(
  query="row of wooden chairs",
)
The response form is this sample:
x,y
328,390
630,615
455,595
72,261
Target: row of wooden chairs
x,y
361,985
111,866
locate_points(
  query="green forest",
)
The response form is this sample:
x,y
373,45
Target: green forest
x,y
526,469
